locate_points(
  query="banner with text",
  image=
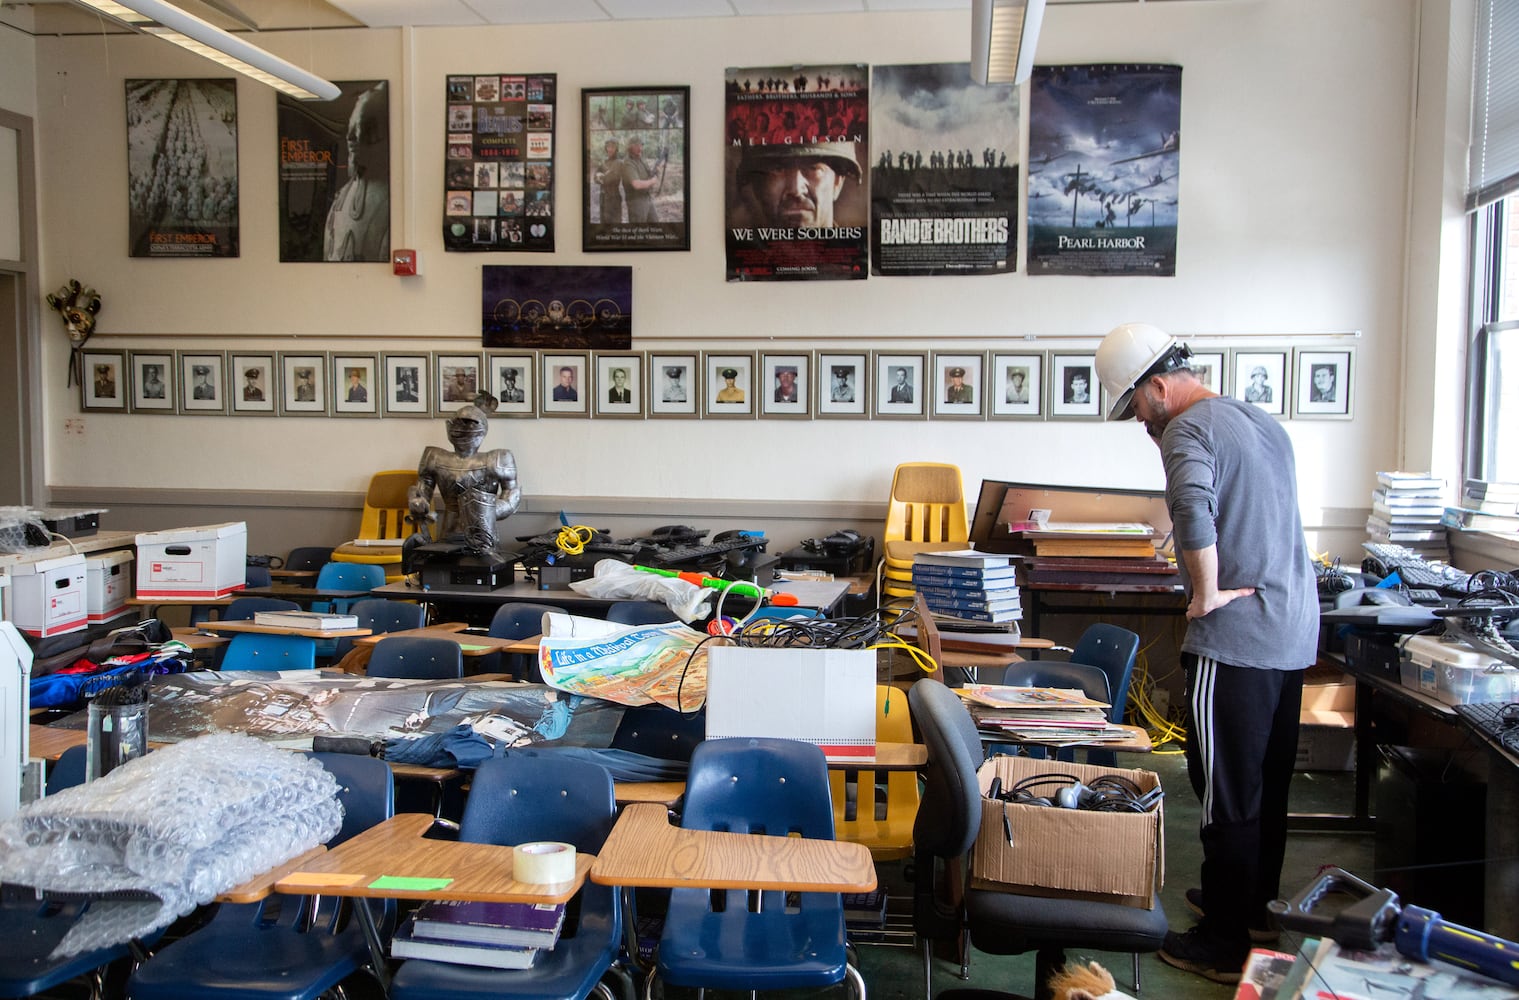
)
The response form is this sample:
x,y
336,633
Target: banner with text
x,y
498,172
335,175
182,191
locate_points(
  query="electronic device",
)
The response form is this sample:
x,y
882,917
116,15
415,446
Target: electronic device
x,y
1385,558
845,552
449,564
1498,720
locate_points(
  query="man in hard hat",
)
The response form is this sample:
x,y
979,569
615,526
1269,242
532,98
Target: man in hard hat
x,y
796,186
1252,629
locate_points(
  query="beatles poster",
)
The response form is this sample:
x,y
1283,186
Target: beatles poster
x,y
335,175
557,307
635,189
182,168
944,181
795,184
1104,151
498,169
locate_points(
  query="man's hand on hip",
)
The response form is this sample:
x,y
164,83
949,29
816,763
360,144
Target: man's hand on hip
x,y
1203,604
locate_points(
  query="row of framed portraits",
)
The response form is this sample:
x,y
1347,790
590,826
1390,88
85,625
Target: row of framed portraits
x,y
1304,383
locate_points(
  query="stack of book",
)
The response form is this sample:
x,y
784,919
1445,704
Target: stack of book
x,y
1406,508
1075,554
319,620
969,585
1485,507
494,935
1048,716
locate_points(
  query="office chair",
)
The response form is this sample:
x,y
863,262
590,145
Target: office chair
x,y
999,923
926,513
258,651
283,947
417,657
721,938
384,517
640,613
518,621
877,808
514,800
379,616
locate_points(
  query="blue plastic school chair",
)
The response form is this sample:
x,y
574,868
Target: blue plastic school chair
x,y
518,621
417,657
1112,650
284,947
640,613
346,576
1083,677
256,651
242,609
525,797
379,616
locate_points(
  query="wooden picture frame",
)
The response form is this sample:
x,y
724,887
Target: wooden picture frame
x,y
899,384
406,385
153,381
658,122
729,397
959,396
250,385
618,387
355,385
785,385
1260,378
456,381
104,385
566,384
203,383
303,384
512,379
1074,392
1015,386
1323,383
841,388
674,386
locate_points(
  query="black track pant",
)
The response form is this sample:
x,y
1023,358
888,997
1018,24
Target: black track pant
x,y
1242,727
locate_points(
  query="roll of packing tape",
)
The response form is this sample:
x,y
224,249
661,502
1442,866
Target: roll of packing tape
x,y
543,861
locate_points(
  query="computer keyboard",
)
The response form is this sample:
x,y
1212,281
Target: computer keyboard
x,y
1498,720
1413,569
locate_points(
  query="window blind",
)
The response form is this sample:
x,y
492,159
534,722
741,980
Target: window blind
x,y
1493,171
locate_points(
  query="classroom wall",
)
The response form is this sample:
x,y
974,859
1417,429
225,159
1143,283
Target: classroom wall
x,y
1293,188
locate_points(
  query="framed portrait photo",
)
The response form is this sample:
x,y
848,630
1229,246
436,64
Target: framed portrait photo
x,y
405,385
900,385
619,385
785,384
104,386
842,385
730,385
674,385
355,387
629,137
1260,379
251,385
456,381
1074,392
153,381
202,381
303,384
1015,386
1323,384
957,386
566,385
511,381
1211,370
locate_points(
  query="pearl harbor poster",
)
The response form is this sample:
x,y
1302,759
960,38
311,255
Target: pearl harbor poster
x,y
1104,155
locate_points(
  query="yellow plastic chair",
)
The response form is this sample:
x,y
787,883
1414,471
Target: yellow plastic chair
x,y
385,506
927,514
877,808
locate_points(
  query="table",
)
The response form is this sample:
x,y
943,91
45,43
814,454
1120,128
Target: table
x,y
1138,741
470,643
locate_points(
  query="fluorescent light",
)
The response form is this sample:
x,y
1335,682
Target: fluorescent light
x,y
1003,34
166,21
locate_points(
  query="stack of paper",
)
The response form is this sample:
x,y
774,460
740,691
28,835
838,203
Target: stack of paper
x,y
1049,716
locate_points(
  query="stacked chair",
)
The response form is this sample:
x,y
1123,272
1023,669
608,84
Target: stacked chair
x,y
927,513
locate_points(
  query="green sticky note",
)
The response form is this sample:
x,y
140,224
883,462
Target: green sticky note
x,y
410,884
472,649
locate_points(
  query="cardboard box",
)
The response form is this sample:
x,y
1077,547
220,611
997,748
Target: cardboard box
x,y
107,585
821,696
208,561
47,596
1326,703
1326,747
1114,857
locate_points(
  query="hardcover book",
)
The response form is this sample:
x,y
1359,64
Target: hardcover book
x,y
406,944
305,619
962,558
527,925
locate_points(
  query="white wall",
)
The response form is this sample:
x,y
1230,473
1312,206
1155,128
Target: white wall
x,y
1293,195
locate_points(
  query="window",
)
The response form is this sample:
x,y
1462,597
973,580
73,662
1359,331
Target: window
x,y
1493,437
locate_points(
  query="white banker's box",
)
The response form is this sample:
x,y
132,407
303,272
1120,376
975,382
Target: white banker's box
x,y
107,584
208,561
821,696
47,596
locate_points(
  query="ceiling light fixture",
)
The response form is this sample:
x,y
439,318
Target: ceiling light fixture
x,y
166,21
1003,34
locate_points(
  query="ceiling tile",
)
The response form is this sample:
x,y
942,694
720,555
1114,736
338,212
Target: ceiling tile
x,y
631,10
537,11
421,13
766,7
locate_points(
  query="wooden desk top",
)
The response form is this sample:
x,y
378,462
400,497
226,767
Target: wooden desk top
x,y
660,793
315,633
471,644
294,574
397,848
889,757
260,886
645,850
981,642
175,602
196,639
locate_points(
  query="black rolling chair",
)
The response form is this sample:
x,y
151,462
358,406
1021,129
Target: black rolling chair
x,y
640,613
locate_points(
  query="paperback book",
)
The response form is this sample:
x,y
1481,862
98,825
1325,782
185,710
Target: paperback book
x,y
528,925
305,619
961,558
953,575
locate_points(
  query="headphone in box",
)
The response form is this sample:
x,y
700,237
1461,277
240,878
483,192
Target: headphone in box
x,y
1108,793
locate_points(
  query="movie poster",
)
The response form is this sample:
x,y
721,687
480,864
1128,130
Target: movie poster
x,y
795,184
182,168
944,182
635,169
498,171
526,306
335,175
1104,150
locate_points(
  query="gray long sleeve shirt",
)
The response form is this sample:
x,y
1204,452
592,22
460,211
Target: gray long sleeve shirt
x,y
1231,481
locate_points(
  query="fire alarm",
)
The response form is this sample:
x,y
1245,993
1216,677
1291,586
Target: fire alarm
x,y
406,263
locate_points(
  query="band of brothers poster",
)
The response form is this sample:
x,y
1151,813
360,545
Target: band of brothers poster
x,y
944,181
498,171
796,142
182,168
1104,153
335,175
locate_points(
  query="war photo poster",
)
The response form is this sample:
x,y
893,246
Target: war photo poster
x,y
795,149
335,175
527,306
1104,153
182,168
944,174
635,192
498,171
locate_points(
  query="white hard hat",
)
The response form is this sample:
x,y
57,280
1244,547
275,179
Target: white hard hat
x,y
1128,355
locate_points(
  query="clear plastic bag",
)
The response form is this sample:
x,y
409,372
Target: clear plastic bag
x,y
619,581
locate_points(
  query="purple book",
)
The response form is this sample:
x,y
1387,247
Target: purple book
x,y
525,925
406,944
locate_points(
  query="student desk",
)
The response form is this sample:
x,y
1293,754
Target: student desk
x,y
470,643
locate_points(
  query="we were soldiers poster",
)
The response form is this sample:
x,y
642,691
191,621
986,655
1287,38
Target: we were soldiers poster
x,y
796,142
1104,154
944,176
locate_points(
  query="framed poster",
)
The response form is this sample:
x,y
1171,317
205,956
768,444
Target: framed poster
x,y
635,165
498,162
405,384
1259,378
958,386
253,383
566,385
153,382
729,379
1016,386
843,385
456,381
899,381
334,175
785,384
182,184
1074,392
355,387
303,384
674,385
202,380
1211,371
619,385
556,308
104,386
1323,384
511,382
